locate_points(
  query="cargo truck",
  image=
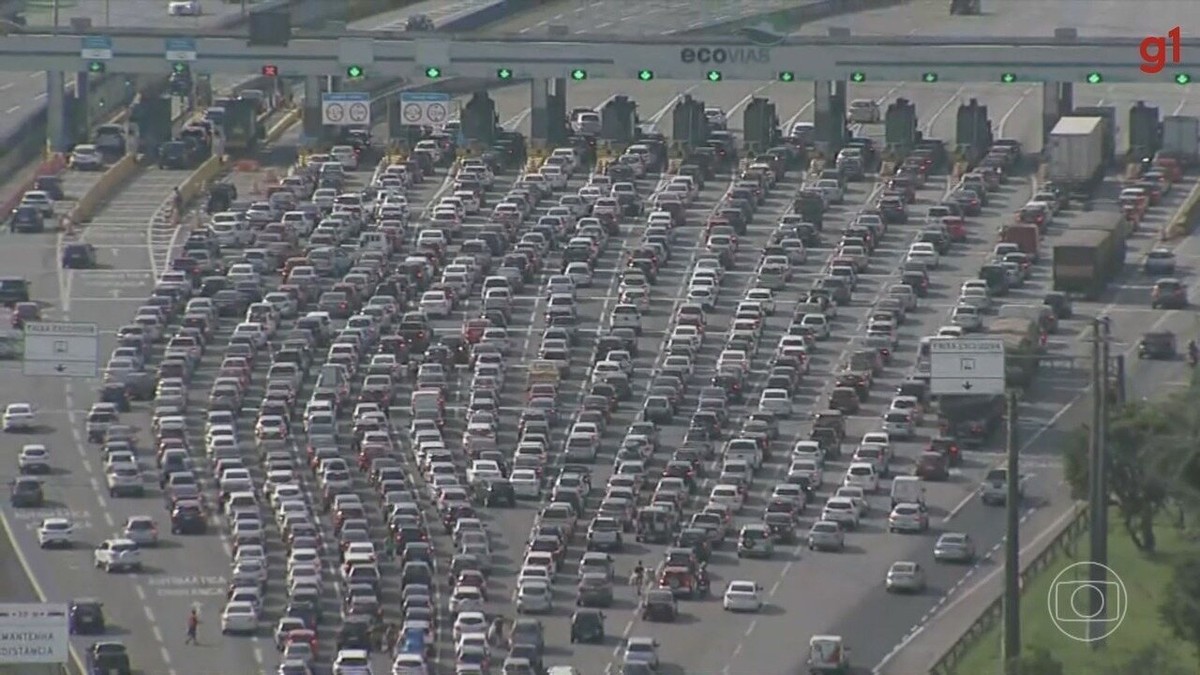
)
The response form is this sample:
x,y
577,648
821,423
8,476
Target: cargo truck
x,y
241,126
1086,260
1181,138
970,418
1075,154
1022,346
1027,237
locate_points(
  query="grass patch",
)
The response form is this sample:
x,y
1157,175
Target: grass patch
x,y
1145,580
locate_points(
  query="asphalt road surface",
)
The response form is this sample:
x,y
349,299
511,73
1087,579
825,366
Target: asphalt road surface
x,y
808,592
617,17
25,93
847,588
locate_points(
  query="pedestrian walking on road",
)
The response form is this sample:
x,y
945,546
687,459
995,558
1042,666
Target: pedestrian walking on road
x,y
193,623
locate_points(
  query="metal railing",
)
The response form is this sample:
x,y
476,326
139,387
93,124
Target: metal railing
x,y
1062,543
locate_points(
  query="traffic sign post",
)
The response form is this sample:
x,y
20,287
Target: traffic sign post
x,y
34,633
61,349
425,109
346,109
180,49
96,48
966,366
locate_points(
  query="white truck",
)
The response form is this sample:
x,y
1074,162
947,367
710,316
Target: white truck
x,y
1075,153
1181,138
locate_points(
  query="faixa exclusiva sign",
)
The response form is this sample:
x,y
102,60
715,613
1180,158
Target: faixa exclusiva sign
x,y
719,55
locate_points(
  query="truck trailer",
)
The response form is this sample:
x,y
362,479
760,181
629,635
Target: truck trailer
x,y
1086,260
1075,153
1181,138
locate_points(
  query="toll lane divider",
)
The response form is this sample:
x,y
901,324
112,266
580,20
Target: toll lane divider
x,y
1186,217
786,20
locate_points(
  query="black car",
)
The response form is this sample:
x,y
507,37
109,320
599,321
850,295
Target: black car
x,y
26,219
26,492
500,493
587,626
79,256
1157,345
659,605
1060,303
188,519
86,616
109,658
355,633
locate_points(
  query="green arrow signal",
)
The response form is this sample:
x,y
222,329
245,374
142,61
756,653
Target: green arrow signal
x,y
713,76
645,75
1183,78
1008,78
1094,78
858,77
504,74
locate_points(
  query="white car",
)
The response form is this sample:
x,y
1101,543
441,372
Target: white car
x,y
346,156
863,475
967,317
863,111
908,518
86,158
184,8
19,417
765,298
841,510
742,596
924,252
525,484
56,532
727,495
435,304
239,618
33,459
142,530
467,623
777,401
534,597
117,554
40,201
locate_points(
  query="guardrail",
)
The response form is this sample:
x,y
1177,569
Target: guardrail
x,y
994,612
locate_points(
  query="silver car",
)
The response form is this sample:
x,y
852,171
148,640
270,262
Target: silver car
x,y
1160,261
826,535
905,576
534,598
142,530
954,547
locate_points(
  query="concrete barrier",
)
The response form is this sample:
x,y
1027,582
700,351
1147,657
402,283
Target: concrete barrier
x,y
1185,218
794,17
286,122
106,188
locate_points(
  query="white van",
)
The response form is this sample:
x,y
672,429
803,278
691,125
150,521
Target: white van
x,y
908,490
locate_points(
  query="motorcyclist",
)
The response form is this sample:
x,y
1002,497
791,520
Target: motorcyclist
x,y
639,575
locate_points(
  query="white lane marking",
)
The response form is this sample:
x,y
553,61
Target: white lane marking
x,y
1009,113
944,607
12,110
938,113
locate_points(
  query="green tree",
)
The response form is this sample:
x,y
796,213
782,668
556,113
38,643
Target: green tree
x,y
1035,661
1141,438
1180,608
1151,658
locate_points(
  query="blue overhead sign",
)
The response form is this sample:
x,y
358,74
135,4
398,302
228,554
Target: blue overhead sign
x,y
96,47
180,49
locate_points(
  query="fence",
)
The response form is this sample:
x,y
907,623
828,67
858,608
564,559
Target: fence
x,y
994,612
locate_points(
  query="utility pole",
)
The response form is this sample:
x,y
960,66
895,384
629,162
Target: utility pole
x,y
1098,483
1012,544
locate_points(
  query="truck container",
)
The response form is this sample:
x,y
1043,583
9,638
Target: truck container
x,y
1076,154
1104,219
1027,237
241,126
1111,126
970,418
1086,260
1022,346
1181,138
